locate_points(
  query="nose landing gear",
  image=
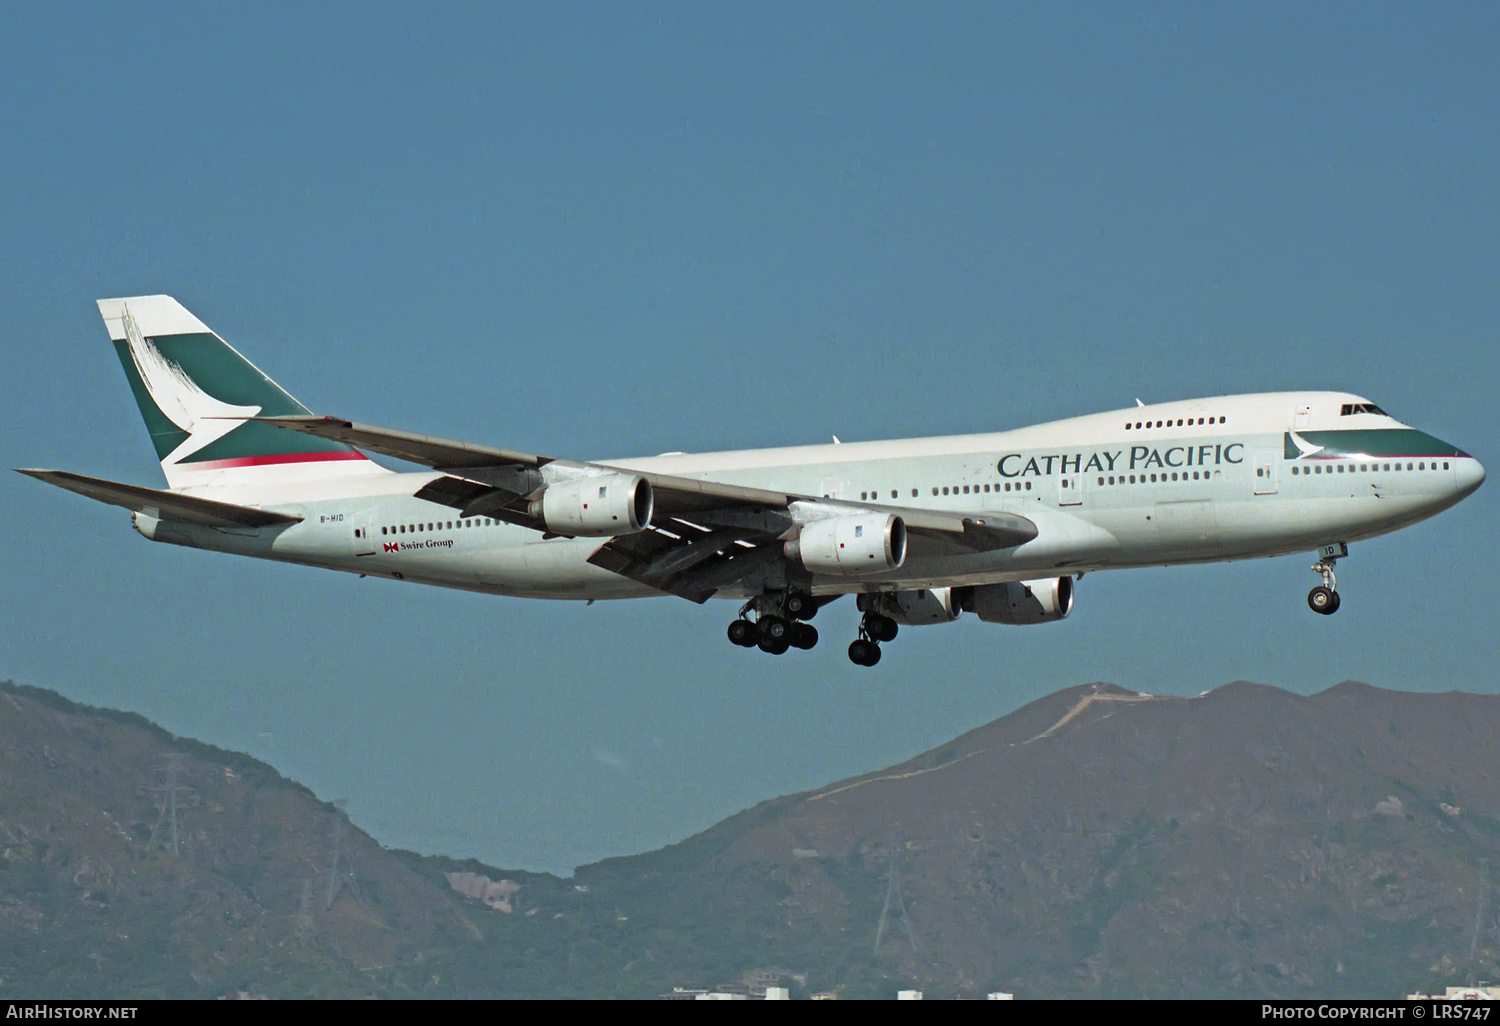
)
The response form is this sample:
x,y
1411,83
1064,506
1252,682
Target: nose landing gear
x,y
1325,597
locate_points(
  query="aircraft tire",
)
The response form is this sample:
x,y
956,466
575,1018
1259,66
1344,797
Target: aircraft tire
x,y
864,653
743,633
774,646
881,628
1323,600
804,636
799,606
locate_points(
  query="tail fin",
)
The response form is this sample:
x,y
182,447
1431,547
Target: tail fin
x,y
197,395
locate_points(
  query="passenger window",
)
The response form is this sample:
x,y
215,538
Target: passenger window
x,y
1028,486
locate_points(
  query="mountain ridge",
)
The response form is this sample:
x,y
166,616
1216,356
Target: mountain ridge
x,y
1095,842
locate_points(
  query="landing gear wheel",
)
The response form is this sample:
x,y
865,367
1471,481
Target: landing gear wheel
x,y
774,646
864,653
775,628
804,636
880,628
775,634
799,606
1323,600
744,633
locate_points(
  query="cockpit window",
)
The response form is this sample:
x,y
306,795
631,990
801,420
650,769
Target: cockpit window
x,y
1352,408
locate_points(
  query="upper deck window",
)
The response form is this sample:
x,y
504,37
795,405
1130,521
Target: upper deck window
x,y
1349,409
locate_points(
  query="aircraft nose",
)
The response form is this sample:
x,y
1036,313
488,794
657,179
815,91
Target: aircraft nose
x,y
1470,475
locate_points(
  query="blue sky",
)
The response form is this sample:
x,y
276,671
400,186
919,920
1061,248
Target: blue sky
x,y
604,230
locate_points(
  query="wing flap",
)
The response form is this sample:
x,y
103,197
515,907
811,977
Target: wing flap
x,y
164,505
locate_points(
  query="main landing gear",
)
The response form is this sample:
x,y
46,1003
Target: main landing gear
x,y
778,625
1325,597
874,627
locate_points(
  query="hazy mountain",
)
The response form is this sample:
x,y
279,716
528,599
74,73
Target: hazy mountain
x,y
1247,842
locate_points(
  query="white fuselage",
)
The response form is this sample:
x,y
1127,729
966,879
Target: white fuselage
x,y
1102,492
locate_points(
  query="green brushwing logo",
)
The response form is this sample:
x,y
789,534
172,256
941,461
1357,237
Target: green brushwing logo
x,y
1376,443
196,393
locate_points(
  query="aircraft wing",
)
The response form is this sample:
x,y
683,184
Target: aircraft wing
x,y
704,535
160,504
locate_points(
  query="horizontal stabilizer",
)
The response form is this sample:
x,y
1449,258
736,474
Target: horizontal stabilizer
x,y
160,504
439,453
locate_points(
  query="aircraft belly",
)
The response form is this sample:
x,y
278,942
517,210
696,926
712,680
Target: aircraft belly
x,y
555,568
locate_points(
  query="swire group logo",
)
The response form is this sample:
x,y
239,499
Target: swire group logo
x,y
430,543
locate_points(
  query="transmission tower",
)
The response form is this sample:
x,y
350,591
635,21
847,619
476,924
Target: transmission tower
x,y
893,899
166,812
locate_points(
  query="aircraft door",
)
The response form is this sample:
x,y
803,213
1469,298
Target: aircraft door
x,y
364,536
365,531
1266,462
1069,490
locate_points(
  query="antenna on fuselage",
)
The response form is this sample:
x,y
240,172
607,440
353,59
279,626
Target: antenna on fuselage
x,y
1138,401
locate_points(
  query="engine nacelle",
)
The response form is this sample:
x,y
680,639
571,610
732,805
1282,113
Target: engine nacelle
x,y
1021,602
914,608
596,507
865,544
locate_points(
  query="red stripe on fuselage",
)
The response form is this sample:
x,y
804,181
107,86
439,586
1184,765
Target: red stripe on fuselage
x,y
284,457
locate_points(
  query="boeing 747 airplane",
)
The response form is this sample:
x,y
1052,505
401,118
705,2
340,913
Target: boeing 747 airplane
x,y
919,530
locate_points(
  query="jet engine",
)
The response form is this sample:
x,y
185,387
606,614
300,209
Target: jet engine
x,y
1021,602
865,544
916,608
596,507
